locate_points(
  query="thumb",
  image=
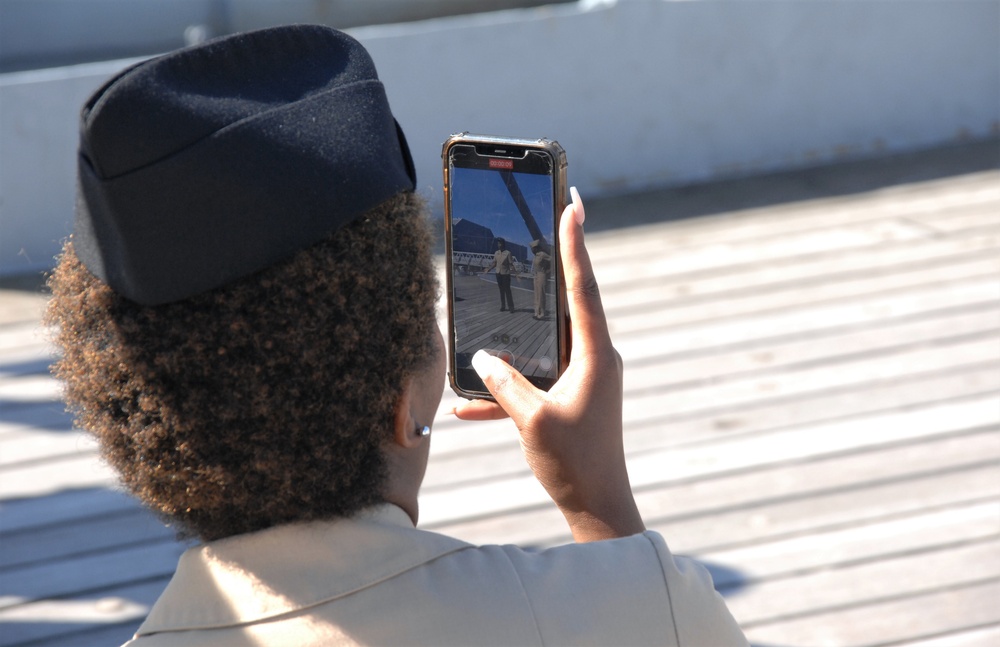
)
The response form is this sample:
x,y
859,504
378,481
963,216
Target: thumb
x,y
515,394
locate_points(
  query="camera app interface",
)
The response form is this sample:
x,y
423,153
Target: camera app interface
x,y
503,268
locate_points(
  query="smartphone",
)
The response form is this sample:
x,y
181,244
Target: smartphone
x,y
502,202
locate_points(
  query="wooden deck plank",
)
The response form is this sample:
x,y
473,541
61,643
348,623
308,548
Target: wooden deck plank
x,y
90,572
40,415
739,453
737,253
64,541
928,615
795,323
736,391
981,217
462,441
101,636
23,444
64,507
664,371
453,469
904,201
883,243
21,335
811,270
829,511
716,362
978,637
869,294
827,477
52,476
751,298
818,411
865,543
696,520
695,501
28,389
868,583
108,617
682,460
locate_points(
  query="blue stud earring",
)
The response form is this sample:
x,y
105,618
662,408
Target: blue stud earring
x,y
424,431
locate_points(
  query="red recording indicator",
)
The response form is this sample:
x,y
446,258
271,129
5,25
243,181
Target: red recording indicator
x,y
501,163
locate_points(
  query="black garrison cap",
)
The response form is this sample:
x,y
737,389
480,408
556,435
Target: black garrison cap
x,y
208,164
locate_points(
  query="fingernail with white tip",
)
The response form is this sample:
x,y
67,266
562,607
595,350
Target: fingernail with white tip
x,y
577,206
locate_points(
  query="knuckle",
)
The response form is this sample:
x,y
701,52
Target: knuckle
x,y
539,419
500,380
587,287
610,366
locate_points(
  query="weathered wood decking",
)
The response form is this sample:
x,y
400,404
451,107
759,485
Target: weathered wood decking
x,y
812,410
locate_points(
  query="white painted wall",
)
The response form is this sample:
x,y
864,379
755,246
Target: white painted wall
x,y
39,130
46,33
34,33
641,93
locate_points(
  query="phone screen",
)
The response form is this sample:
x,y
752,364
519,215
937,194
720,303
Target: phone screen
x,y
502,226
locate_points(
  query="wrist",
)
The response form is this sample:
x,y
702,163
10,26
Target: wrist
x,y
618,517
586,527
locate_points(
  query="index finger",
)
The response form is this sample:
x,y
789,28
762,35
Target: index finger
x,y
586,311
480,410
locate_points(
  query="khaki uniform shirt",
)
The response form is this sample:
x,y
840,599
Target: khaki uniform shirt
x,y
504,261
376,580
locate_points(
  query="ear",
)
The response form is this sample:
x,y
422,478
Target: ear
x,y
404,426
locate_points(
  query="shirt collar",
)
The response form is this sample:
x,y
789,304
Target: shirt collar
x,y
288,568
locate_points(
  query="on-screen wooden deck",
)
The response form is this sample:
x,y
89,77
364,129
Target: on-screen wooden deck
x,y
481,324
812,410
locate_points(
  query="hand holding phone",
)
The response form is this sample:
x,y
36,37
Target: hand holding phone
x,y
572,434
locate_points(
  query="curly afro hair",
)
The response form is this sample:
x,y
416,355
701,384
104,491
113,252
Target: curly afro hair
x,y
262,402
